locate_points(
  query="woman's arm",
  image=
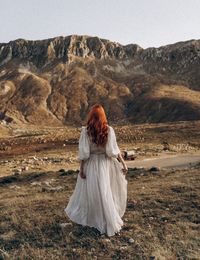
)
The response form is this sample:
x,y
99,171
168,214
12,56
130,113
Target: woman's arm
x,y
125,168
82,174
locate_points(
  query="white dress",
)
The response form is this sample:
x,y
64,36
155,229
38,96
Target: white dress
x,y
99,201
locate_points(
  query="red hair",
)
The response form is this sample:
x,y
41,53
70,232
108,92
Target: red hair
x,y
97,125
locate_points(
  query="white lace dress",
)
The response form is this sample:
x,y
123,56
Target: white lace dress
x,y
99,200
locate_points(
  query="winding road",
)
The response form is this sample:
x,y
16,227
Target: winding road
x,y
167,161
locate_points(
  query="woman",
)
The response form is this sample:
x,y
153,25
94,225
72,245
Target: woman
x,y
99,198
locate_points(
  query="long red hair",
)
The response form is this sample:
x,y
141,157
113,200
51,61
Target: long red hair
x,y
97,125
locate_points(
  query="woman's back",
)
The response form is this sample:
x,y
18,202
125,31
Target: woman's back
x,y
96,149
87,146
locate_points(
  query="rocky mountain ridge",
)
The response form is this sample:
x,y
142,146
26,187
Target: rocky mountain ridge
x,y
63,49
55,81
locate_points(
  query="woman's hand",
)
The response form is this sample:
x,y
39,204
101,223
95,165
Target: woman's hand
x,y
82,174
125,169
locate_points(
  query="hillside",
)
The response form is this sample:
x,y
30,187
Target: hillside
x,y
54,82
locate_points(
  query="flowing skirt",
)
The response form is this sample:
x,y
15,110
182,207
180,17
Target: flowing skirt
x,y
99,200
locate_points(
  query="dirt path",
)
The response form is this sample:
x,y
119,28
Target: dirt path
x,y
170,161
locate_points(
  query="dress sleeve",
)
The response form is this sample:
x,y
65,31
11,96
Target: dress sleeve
x,y
84,146
112,149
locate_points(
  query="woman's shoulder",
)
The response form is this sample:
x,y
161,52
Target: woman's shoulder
x,y
111,131
110,127
83,129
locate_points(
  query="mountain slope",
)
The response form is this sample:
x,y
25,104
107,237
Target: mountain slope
x,y
55,81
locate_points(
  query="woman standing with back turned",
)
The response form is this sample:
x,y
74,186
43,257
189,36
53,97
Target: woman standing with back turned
x,y
100,195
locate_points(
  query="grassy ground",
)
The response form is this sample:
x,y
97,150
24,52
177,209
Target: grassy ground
x,y
163,208
162,218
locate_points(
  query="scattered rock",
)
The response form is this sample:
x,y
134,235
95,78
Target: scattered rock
x,y
14,187
36,183
61,170
131,240
47,183
123,248
57,160
24,168
64,225
129,155
154,169
17,172
163,218
52,189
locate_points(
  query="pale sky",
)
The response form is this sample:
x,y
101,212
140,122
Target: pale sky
x,y
149,23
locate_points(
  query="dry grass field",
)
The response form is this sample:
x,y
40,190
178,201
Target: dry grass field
x,y
38,175
161,220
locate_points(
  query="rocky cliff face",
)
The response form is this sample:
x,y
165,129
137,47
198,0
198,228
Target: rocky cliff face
x,y
55,81
63,49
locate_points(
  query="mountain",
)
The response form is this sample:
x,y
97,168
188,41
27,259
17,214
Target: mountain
x,y
55,81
